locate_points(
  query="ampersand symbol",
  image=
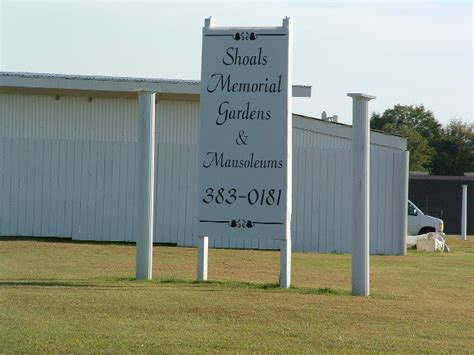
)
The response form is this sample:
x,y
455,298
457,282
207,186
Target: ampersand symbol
x,y
242,138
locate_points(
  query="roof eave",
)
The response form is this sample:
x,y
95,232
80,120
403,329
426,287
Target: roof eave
x,y
118,84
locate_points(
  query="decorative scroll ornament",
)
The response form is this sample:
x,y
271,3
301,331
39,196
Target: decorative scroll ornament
x,y
245,36
241,223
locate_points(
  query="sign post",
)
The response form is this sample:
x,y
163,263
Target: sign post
x,y
244,184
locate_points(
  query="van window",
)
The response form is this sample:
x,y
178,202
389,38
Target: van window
x,y
411,210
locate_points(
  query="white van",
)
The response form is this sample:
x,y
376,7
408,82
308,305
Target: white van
x,y
420,223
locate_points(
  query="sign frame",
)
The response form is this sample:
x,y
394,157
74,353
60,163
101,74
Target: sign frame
x,y
245,96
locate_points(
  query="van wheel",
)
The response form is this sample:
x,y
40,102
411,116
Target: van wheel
x,y
425,230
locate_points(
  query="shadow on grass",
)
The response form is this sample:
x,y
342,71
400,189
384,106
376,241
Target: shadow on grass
x,y
274,287
203,285
69,240
56,283
126,282
59,240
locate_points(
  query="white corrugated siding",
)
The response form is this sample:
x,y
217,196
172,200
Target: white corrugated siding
x,y
68,118
68,168
322,199
310,139
176,136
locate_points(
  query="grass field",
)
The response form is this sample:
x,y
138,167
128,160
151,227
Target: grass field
x,y
81,297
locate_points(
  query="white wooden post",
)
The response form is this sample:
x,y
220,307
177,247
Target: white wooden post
x,y
209,22
464,213
203,241
360,193
203,247
404,203
146,178
285,263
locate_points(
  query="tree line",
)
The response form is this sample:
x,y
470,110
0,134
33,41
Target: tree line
x,y
434,148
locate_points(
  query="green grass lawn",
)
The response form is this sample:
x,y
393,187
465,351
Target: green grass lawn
x,y
81,297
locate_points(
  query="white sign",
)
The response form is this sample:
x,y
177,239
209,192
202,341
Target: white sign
x,y
244,162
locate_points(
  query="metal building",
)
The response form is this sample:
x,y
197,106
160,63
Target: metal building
x,y
68,148
441,196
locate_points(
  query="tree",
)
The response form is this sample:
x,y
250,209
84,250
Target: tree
x,y
421,153
418,125
455,149
414,117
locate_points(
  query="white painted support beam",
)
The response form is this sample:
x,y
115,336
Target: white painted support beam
x,y
203,241
464,213
209,22
285,263
402,247
202,262
285,245
360,194
146,184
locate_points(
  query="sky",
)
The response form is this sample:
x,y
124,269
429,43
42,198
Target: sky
x,y
402,52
